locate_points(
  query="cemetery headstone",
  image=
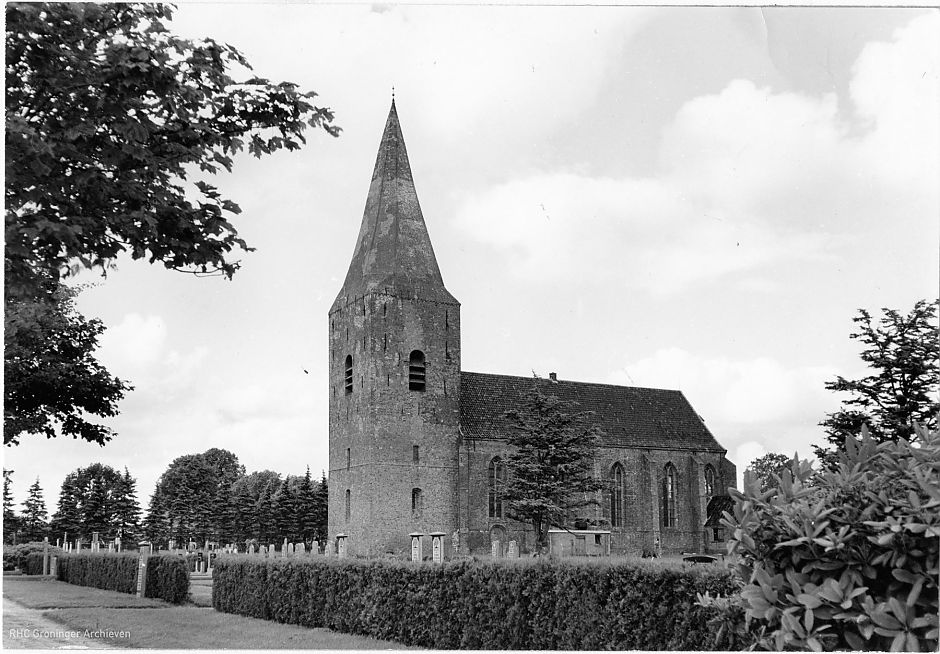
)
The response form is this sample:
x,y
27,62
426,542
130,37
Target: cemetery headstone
x,y
301,548
290,549
437,546
513,550
145,549
494,549
271,550
341,545
417,546
251,548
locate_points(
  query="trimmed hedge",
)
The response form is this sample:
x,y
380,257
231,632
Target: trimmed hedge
x,y
167,576
521,604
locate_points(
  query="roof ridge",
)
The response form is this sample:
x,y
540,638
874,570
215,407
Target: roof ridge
x,y
573,381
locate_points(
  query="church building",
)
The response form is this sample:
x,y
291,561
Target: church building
x,y
418,445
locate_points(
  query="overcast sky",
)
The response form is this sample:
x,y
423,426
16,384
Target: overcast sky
x,y
689,198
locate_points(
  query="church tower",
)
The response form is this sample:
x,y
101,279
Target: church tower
x,y
394,349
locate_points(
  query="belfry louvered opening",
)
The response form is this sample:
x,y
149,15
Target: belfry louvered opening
x,y
417,373
348,379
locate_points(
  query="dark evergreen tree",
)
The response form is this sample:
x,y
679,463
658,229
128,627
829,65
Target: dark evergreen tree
x,y
284,509
127,510
88,501
34,514
321,511
267,526
156,526
306,508
904,354
550,470
194,495
11,521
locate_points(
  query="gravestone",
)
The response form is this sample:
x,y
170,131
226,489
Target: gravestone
x,y
437,546
328,549
513,550
55,566
341,545
145,549
271,550
290,549
263,549
455,542
251,548
417,546
495,549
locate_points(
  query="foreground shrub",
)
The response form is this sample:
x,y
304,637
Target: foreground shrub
x,y
167,576
521,604
846,559
14,556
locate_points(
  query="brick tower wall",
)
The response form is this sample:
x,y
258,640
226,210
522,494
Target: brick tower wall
x,y
382,421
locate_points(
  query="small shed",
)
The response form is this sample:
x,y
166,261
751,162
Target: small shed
x,y
579,542
715,532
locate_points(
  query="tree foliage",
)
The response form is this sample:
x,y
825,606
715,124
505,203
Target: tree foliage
x,y
52,380
11,521
767,469
108,114
904,355
100,499
34,522
550,470
113,127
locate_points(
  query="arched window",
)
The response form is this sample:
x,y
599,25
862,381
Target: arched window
x,y
616,496
416,371
669,496
417,503
497,482
348,505
348,378
710,482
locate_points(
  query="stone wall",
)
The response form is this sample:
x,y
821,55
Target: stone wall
x,y
374,429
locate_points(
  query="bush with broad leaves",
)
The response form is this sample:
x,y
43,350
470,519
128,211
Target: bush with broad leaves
x,y
842,559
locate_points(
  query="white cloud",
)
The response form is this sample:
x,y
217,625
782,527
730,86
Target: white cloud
x,y
749,178
134,343
752,406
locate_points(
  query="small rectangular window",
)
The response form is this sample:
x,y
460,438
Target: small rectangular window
x,y
347,458
414,453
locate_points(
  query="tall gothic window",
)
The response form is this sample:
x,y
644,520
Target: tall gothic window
x,y
417,503
710,482
348,505
497,483
348,377
616,496
416,371
668,496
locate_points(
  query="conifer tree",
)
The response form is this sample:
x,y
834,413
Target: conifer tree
x,y
321,510
306,508
550,471
34,513
156,526
127,509
284,509
11,521
903,354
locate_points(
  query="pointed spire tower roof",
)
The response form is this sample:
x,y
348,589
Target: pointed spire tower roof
x,y
393,252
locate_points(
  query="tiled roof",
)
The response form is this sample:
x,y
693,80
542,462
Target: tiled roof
x,y
630,416
393,251
716,507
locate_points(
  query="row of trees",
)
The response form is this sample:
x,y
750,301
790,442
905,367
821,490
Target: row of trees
x,y
208,496
200,497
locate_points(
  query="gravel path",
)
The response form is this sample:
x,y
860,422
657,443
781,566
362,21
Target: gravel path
x,y
25,628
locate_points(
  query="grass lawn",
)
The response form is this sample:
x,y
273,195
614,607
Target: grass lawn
x,y
152,624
